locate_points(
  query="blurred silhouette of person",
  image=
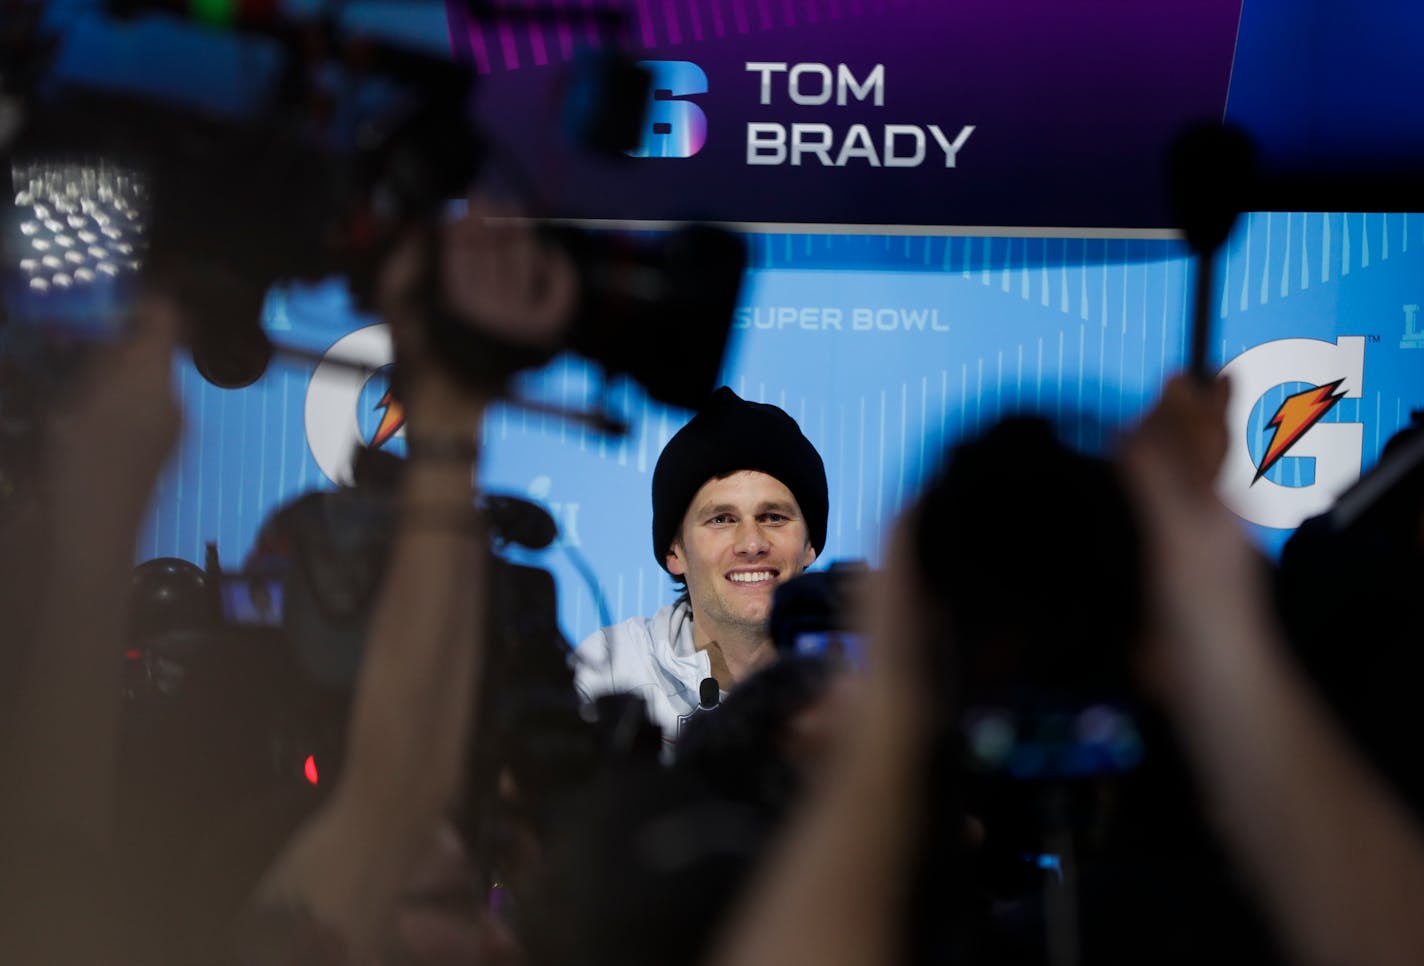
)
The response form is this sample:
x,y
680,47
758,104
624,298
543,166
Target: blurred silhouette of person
x,y
1347,593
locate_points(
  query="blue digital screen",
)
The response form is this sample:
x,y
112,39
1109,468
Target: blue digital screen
x,y
886,350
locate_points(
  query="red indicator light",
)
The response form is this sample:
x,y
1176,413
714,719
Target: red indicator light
x,y
309,769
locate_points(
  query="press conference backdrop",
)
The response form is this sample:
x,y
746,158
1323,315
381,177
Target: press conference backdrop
x,y
886,350
954,274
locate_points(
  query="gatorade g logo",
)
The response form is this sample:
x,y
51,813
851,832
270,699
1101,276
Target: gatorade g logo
x,y
1292,429
333,426
674,128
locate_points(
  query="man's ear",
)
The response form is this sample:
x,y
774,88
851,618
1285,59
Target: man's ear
x,y
809,557
675,564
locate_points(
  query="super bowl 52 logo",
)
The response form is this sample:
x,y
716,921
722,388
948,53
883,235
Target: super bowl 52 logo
x,y
1295,429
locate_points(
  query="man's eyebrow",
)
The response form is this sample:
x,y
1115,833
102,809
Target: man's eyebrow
x,y
771,506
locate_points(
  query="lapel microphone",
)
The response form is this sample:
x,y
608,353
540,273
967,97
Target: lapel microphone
x,y
709,694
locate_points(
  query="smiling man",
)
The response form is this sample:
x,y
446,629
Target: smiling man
x,y
739,508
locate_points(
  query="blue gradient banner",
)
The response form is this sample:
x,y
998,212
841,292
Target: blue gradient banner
x,y
886,350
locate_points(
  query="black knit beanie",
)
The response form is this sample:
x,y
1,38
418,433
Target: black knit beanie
x,y
731,434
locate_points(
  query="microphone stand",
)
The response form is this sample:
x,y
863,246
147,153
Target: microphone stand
x,y
600,421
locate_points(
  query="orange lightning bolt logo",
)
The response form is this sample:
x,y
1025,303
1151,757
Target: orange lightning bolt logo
x,y
1296,415
391,420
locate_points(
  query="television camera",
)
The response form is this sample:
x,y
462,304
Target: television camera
x,y
343,142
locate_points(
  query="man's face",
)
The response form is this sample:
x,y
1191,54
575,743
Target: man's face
x,y
742,536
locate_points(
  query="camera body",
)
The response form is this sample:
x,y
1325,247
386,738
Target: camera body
x,y
352,143
812,615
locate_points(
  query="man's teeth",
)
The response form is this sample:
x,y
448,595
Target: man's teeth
x,y
752,578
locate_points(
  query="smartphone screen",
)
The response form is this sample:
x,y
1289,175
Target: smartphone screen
x,y
251,601
831,643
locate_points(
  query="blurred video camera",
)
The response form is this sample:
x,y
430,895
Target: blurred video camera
x,y
265,657
308,168
322,558
813,615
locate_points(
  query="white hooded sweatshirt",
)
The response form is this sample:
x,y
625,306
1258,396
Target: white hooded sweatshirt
x,y
652,657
